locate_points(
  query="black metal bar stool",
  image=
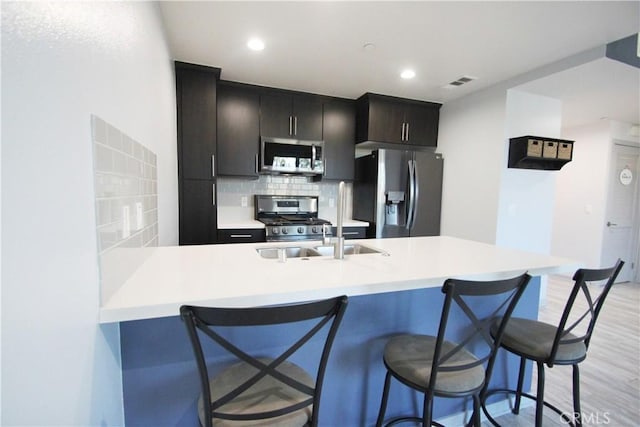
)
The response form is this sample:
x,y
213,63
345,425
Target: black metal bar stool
x,y
437,366
272,389
562,344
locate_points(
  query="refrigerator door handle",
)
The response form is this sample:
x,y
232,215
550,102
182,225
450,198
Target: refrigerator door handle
x,y
412,191
416,193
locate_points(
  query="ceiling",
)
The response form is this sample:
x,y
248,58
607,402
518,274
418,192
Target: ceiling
x,y
318,47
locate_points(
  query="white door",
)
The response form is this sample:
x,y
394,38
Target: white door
x,y
621,228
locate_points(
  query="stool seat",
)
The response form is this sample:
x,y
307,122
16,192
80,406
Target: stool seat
x,y
534,340
411,357
266,395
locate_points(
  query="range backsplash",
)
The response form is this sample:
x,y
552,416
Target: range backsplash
x,y
238,193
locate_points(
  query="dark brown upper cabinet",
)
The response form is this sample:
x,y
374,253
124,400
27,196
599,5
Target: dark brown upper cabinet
x,y
196,109
238,130
388,119
339,134
287,114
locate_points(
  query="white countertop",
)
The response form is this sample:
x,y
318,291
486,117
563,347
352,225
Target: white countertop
x,y
236,275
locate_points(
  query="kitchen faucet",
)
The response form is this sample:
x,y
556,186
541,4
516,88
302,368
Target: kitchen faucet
x,y
338,240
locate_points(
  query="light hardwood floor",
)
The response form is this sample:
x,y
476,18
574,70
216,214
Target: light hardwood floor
x,y
610,375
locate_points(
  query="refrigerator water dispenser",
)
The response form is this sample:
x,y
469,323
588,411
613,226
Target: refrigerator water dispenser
x,y
394,202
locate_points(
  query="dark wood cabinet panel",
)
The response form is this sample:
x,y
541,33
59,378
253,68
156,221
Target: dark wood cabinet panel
x,y
196,125
422,124
394,120
352,232
275,114
307,116
196,109
241,235
238,139
339,134
386,121
287,115
198,222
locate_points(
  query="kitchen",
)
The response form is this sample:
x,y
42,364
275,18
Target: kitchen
x,y
112,60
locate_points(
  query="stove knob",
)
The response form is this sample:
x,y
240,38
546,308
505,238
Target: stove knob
x,y
300,230
284,231
314,229
274,230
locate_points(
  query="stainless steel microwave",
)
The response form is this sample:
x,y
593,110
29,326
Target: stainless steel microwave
x,y
291,156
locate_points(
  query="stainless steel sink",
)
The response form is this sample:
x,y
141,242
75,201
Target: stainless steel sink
x,y
316,251
290,252
348,250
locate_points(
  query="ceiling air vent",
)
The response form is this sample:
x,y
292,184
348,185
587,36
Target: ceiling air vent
x,y
459,82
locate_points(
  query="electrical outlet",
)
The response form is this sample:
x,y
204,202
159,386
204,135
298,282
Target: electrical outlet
x,y
139,216
243,201
126,222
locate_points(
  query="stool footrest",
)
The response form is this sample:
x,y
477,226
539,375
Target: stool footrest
x,y
399,420
562,414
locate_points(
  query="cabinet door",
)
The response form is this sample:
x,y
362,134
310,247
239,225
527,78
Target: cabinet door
x,y
196,98
339,134
276,119
422,124
238,130
385,121
198,222
307,117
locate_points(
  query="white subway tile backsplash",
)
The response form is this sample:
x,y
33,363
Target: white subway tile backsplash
x,y
125,176
231,190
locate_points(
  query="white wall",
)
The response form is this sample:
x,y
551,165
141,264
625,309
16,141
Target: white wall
x,y
581,193
525,213
470,137
62,62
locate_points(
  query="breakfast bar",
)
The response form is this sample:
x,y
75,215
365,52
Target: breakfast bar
x,y
393,288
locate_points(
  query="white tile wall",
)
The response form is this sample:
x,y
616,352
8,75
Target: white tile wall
x,y
232,192
126,191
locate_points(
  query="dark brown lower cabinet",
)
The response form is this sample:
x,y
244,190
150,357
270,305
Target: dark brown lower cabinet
x,y
241,235
352,232
198,220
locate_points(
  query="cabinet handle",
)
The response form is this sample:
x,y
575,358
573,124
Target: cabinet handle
x,y
213,194
295,125
240,236
349,233
213,165
406,134
256,163
290,125
402,134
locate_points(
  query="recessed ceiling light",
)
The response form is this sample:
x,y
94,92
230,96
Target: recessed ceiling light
x,y
255,44
408,74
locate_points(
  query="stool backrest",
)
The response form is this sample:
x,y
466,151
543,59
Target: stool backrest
x,y
584,321
209,321
499,297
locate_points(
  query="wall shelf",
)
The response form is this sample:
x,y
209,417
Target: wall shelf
x,y
536,152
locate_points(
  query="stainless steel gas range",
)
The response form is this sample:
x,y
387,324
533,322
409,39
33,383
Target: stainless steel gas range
x,y
288,218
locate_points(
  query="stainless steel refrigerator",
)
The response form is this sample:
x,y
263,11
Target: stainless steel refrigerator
x,y
399,192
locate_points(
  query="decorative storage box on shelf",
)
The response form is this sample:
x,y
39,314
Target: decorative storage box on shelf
x,y
536,152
